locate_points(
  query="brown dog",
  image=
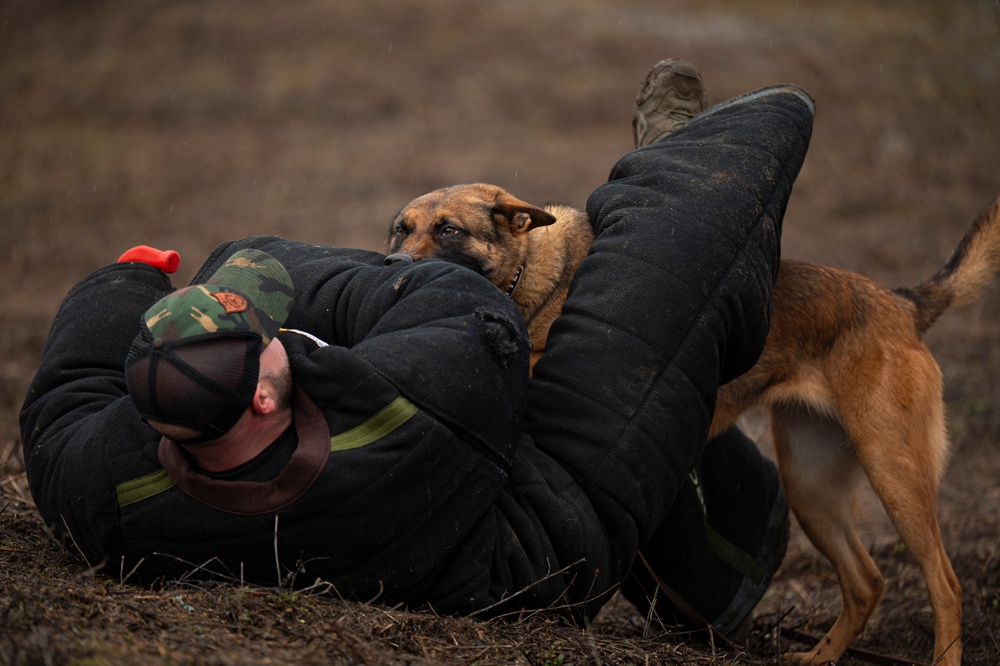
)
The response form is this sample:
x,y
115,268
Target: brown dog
x,y
483,227
850,386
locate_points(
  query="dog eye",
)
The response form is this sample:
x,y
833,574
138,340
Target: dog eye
x,y
449,230
399,230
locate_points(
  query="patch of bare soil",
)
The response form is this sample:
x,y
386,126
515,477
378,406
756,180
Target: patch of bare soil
x,y
184,124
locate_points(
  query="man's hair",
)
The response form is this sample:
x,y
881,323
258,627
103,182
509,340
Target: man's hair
x,y
283,386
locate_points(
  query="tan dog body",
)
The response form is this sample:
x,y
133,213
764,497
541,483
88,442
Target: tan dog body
x,y
851,388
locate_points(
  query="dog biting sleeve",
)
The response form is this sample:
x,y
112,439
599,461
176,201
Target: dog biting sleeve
x,y
473,501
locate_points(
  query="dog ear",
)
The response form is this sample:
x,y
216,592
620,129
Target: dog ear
x,y
523,216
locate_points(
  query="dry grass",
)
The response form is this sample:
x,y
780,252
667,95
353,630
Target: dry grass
x,y
54,609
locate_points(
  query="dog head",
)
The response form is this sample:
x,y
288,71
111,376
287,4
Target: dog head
x,y
479,226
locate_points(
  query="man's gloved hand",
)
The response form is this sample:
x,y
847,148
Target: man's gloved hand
x,y
166,260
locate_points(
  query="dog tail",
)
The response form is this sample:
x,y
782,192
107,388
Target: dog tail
x,y
973,266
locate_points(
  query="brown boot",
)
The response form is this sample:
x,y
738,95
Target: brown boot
x,y
671,95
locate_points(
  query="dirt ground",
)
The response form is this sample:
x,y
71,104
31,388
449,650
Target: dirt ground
x,y
184,124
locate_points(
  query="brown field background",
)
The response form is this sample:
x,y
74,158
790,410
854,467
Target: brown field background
x,y
183,124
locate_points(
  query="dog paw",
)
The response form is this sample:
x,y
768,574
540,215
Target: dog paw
x,y
804,659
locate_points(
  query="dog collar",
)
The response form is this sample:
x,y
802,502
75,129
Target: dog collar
x,y
516,281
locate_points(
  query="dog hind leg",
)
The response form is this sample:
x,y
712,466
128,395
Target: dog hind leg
x,y
903,470
821,475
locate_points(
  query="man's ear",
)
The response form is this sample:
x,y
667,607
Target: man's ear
x,y
523,216
264,401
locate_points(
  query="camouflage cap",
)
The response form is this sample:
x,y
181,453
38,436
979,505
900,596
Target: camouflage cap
x,y
252,292
196,360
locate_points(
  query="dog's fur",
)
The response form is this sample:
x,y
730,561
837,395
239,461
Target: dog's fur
x,y
850,386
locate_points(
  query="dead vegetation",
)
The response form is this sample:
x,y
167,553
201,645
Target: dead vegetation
x,y
55,609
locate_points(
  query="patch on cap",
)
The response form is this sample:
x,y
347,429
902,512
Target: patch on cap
x,y
230,302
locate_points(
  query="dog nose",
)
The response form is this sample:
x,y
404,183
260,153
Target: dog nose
x,y
399,257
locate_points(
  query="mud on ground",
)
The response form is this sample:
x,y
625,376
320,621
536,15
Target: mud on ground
x,y
183,124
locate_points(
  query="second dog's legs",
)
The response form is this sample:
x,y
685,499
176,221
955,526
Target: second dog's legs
x,y
821,474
